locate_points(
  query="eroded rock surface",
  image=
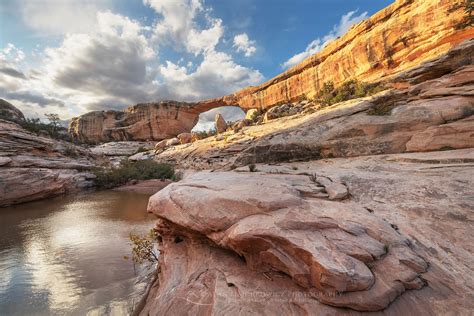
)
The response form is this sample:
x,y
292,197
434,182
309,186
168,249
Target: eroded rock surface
x,y
34,167
226,235
141,122
115,152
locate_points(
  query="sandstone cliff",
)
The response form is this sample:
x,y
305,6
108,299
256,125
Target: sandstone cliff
x,y
397,38
33,167
362,206
432,110
141,122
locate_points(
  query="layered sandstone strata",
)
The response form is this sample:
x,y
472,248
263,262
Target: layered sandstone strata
x,y
395,39
33,167
141,122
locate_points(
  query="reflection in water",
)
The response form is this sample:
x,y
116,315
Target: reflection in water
x,y
65,255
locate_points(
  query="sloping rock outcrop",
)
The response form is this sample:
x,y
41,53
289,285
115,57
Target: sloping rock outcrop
x,y
255,242
9,112
419,115
34,167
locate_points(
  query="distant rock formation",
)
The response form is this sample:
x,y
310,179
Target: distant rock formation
x,y
220,123
141,122
9,112
396,39
33,167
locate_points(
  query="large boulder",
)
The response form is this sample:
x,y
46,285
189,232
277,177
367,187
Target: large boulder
x,y
172,142
252,114
185,138
220,123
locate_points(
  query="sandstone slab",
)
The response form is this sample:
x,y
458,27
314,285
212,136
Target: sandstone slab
x,y
405,211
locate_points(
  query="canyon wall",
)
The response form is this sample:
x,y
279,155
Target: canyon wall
x,y
395,39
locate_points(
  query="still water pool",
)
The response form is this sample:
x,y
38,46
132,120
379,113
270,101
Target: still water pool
x,y
65,256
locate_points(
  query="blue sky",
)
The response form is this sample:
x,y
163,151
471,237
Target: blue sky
x,y
70,57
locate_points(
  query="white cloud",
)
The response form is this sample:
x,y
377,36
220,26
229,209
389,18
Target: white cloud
x,y
203,41
10,52
112,63
88,69
243,44
177,18
347,20
56,17
217,75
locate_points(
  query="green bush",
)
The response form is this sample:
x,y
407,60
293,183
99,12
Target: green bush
x,y
53,130
329,95
205,134
253,168
128,170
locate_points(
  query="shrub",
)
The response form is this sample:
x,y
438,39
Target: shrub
x,y
53,129
253,168
143,247
177,176
329,95
128,170
205,134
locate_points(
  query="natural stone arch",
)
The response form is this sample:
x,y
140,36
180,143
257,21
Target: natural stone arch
x,y
206,119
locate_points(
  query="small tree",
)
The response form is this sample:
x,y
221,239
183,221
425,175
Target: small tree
x,y
53,122
143,247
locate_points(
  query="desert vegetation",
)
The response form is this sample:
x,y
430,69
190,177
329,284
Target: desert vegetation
x,y
352,89
143,249
51,129
129,170
467,6
204,134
